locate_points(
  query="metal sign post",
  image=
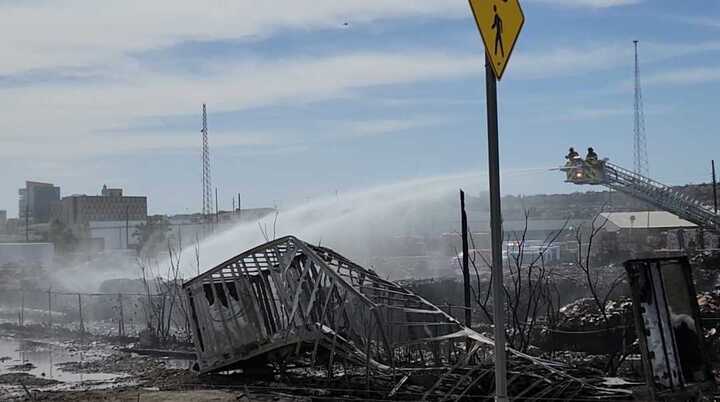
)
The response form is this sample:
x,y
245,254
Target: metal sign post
x,y
499,23
496,234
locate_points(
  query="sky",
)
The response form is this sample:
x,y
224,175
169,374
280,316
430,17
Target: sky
x,y
309,98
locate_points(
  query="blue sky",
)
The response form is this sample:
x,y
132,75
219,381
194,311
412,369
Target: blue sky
x,y
301,105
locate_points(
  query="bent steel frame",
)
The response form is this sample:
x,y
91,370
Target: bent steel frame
x,y
292,304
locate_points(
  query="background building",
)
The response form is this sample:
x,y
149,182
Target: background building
x,y
36,200
110,206
3,220
114,235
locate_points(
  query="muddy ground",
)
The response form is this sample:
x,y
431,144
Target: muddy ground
x,y
39,367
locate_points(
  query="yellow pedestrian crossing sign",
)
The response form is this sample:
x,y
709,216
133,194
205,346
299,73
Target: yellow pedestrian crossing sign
x,y
499,23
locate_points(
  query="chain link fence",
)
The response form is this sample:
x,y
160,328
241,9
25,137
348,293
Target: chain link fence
x,y
102,314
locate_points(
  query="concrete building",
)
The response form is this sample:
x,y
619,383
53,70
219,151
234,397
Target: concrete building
x,y
111,206
3,220
36,200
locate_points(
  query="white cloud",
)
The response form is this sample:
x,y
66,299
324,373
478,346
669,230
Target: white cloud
x,y
583,59
70,118
689,76
593,113
67,147
73,117
71,33
373,128
707,22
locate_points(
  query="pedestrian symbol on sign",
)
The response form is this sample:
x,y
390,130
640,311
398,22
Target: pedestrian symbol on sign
x,y
499,23
498,27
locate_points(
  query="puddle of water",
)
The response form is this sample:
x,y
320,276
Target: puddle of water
x,y
45,357
177,363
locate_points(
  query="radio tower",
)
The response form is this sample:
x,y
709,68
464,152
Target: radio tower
x,y
206,182
640,143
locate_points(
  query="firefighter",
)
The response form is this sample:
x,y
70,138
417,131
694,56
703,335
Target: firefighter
x,y
591,155
572,155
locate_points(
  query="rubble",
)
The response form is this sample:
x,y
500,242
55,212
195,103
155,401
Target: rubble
x,y
709,302
581,327
584,314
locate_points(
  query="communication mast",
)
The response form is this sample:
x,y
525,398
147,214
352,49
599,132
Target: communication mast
x,y
207,208
640,139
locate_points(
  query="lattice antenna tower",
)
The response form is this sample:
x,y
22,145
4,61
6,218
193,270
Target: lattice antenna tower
x,y
640,139
206,181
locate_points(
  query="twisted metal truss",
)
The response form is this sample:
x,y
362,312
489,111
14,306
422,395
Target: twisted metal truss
x,y
291,304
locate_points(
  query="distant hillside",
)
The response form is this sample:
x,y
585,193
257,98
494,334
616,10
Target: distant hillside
x,y
583,205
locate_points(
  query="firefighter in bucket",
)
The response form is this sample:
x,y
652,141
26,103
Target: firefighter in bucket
x,y
584,171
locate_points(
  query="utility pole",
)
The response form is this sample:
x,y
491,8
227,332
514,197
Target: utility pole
x,y
27,219
127,227
239,208
465,260
715,201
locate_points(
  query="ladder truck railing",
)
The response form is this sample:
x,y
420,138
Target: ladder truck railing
x,y
661,196
646,189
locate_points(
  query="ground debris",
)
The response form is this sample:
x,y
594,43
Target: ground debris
x,y
21,367
26,379
709,302
116,362
584,314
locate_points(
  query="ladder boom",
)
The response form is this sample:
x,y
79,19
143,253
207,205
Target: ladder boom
x,y
643,188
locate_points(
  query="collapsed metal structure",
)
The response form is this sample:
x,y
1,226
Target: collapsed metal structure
x,y
290,304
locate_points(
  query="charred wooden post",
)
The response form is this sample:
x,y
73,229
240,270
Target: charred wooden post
x,y
49,292
22,308
80,313
121,321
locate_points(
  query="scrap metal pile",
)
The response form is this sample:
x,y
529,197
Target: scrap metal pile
x,y
289,305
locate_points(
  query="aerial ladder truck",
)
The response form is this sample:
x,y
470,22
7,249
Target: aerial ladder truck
x,y
612,176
